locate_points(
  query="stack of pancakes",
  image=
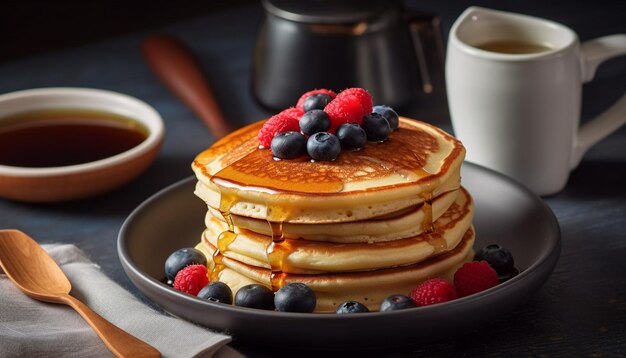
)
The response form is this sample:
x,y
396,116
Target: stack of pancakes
x,y
373,223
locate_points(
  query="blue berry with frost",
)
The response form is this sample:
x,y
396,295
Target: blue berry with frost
x,y
351,136
389,114
288,145
323,146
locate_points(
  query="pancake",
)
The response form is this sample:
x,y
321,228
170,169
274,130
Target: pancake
x,y
369,288
399,225
310,257
417,163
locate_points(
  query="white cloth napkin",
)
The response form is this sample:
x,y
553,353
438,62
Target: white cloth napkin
x,y
30,328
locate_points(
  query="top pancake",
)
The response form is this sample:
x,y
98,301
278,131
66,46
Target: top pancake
x,y
417,163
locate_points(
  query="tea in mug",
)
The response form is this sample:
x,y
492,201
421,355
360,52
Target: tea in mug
x,y
513,46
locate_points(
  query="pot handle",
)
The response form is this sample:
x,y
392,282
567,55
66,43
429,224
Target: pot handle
x,y
425,29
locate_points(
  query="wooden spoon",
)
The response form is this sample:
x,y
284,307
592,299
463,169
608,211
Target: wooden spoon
x,y
181,73
34,272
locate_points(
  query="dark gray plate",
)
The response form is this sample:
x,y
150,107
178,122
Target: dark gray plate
x,y
506,213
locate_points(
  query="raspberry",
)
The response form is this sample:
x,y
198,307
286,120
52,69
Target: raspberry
x,y
191,279
433,291
344,109
285,121
364,98
474,277
303,98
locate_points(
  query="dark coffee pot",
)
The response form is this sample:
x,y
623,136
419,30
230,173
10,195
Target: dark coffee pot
x,y
336,44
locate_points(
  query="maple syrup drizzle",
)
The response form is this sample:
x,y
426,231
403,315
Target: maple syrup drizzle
x,y
438,242
226,237
427,209
277,251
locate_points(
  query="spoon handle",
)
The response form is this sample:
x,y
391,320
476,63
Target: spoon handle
x,y
118,341
180,72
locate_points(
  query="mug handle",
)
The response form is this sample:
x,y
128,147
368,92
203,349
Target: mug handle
x,y
593,53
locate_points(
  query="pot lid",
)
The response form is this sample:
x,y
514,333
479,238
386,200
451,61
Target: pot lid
x,y
328,11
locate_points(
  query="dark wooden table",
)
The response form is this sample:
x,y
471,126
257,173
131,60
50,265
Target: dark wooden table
x,y
581,310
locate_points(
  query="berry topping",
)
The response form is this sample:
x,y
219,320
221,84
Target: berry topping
x,y
181,258
295,297
191,279
323,146
314,121
217,292
316,101
255,296
284,121
351,307
473,277
389,114
396,302
364,98
376,127
433,291
288,145
304,97
351,136
498,257
344,109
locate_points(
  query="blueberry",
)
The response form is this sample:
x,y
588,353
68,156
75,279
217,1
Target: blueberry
x,y
255,296
181,258
314,121
351,307
295,297
217,291
396,302
508,275
498,257
351,136
389,114
316,101
323,146
376,127
288,145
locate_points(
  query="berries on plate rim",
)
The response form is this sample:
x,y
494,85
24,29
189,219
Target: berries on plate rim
x,y
474,277
191,279
430,292
216,291
295,297
181,258
396,302
255,296
351,307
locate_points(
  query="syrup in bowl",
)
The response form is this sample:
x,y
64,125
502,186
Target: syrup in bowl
x,y
62,137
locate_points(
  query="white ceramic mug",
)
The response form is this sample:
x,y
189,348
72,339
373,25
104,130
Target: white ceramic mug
x,y
519,113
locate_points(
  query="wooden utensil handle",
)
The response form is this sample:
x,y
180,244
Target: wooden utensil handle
x,y
181,73
118,341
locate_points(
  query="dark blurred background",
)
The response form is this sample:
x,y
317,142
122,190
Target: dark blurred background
x,y
29,27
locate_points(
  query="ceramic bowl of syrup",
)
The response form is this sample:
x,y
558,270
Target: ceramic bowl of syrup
x,y
62,144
